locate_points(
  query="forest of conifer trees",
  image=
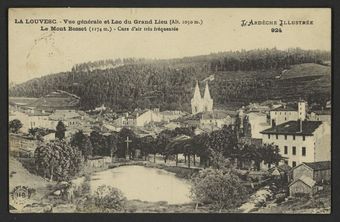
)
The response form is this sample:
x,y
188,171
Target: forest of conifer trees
x,y
240,77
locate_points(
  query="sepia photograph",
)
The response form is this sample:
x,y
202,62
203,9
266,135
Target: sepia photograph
x,y
169,110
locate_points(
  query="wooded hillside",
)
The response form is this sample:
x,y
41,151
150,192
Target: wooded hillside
x,y
241,76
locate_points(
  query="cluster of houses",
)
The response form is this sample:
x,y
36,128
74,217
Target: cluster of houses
x,y
302,136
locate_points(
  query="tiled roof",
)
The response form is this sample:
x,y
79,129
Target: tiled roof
x,y
281,168
293,127
306,180
321,165
286,108
137,112
216,114
323,112
63,115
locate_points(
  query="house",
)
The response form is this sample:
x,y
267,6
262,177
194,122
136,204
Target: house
x,y
318,171
287,113
254,123
208,121
169,115
101,108
302,186
282,171
321,115
139,118
32,119
68,117
300,141
272,103
49,137
256,107
216,119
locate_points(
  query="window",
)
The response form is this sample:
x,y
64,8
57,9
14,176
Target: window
x,y
286,150
277,136
293,137
268,136
294,150
303,151
303,138
285,137
286,162
294,164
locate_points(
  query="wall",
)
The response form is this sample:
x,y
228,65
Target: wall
x,y
299,187
324,175
258,123
323,143
302,170
283,116
298,143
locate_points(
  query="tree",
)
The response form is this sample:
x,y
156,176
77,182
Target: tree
x,y
270,154
15,125
57,160
99,144
108,198
224,141
60,130
112,144
201,144
147,145
223,189
83,143
162,140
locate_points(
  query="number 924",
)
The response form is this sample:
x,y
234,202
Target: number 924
x,y
276,30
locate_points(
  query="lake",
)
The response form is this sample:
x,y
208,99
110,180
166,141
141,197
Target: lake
x,y
145,184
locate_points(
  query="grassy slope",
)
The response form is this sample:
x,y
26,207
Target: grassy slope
x,y
306,69
22,177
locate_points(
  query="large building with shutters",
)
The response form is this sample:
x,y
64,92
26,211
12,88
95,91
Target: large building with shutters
x,y
300,141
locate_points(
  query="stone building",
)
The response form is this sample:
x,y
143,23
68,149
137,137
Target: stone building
x,y
199,103
318,171
300,141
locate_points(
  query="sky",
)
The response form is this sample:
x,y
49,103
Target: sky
x,y
34,53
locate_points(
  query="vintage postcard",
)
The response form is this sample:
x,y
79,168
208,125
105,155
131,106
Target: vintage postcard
x,y
170,110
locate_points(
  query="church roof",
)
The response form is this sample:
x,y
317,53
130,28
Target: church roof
x,y
197,93
206,91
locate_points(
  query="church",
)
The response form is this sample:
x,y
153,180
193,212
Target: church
x,y
201,104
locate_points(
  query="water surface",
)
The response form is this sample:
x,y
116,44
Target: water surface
x,y
143,183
